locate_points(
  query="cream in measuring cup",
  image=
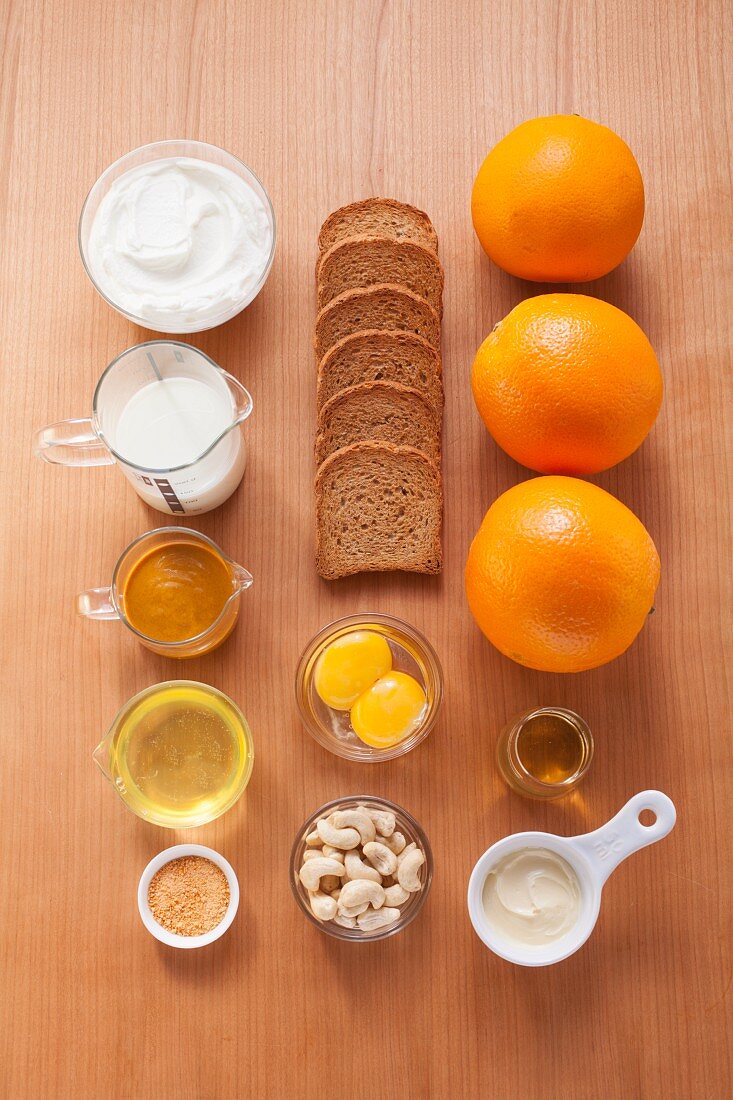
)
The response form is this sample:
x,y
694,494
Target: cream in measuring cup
x,y
170,418
534,898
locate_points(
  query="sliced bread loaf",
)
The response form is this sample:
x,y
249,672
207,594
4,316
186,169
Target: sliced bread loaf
x,y
366,261
380,218
381,355
385,411
384,307
378,507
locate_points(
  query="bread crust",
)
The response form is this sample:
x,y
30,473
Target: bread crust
x,y
377,352
378,214
418,419
363,261
333,562
360,309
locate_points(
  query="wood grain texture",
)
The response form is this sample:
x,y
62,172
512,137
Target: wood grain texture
x,y
331,101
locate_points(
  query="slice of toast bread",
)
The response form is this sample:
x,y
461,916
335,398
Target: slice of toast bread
x,y
385,306
386,355
380,218
378,507
386,411
366,261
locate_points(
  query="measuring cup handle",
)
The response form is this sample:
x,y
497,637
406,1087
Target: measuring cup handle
x,y
243,403
96,603
624,834
71,443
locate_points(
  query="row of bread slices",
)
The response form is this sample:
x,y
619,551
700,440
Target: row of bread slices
x,y
379,498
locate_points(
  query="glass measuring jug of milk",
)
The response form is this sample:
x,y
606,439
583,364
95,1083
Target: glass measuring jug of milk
x,y
170,418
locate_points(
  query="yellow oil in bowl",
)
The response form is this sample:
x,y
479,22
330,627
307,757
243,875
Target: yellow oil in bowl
x,y
179,754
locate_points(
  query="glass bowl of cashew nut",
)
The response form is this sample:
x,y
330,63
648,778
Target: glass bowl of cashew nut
x,y
361,868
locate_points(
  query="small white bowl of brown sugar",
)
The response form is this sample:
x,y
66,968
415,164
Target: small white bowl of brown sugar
x,y
188,896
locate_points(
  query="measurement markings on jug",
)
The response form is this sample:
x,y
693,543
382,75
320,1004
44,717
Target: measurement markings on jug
x,y
168,493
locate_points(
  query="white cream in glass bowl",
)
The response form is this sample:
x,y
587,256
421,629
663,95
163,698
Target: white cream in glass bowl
x,y
178,236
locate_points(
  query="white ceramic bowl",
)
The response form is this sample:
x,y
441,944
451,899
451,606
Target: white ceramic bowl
x,y
592,856
171,938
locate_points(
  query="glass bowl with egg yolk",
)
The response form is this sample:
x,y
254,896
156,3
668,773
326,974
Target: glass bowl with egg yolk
x,y
369,687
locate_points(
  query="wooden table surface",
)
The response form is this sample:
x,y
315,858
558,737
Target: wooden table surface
x,y
330,101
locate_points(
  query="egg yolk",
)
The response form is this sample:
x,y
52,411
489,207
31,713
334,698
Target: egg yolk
x,y
389,710
350,665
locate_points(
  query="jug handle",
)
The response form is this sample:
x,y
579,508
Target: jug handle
x,y
71,443
243,403
96,603
624,834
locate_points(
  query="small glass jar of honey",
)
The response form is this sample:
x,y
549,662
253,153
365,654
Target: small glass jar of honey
x,y
545,752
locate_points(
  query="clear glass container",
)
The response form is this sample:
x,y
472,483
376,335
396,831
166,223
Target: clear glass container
x,y
201,483
159,150
109,602
411,653
179,754
413,833
545,752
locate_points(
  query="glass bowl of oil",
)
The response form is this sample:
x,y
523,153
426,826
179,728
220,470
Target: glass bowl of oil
x,y
412,832
179,754
411,654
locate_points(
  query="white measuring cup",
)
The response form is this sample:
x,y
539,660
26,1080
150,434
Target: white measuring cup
x,y
593,856
212,469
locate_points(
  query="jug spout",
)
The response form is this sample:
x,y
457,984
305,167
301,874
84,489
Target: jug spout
x,y
242,578
101,758
242,398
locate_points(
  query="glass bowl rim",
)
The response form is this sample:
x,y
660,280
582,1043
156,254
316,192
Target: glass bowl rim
x,y
328,928
203,146
319,733
127,706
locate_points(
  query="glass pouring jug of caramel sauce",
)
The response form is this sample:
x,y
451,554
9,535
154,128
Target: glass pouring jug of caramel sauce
x,y
175,590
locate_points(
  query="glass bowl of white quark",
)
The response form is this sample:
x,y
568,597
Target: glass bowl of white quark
x,y
178,236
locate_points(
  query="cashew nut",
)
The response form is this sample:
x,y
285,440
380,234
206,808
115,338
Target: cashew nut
x,y
322,906
372,920
312,853
357,868
357,819
396,843
381,858
407,872
355,911
405,852
338,838
312,871
358,891
395,895
384,820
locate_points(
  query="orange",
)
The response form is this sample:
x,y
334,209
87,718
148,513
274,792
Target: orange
x,y
567,384
561,576
559,199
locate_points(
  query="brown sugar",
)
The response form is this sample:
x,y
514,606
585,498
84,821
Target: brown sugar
x,y
189,896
